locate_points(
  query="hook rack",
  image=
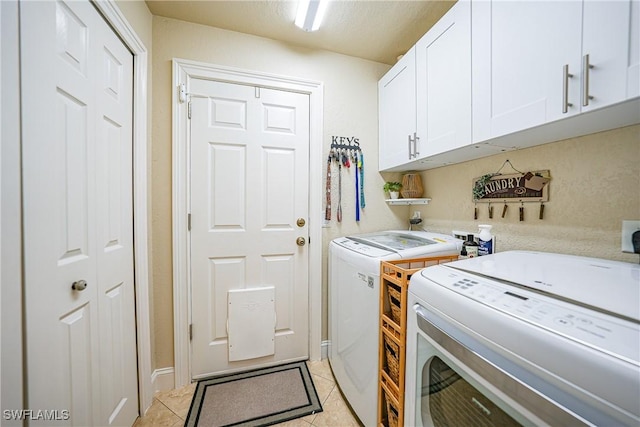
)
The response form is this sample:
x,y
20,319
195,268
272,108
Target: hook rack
x,y
345,151
342,148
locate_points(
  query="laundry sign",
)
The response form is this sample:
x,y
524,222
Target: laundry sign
x,y
521,187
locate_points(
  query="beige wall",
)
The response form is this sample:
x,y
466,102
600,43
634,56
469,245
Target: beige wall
x,y
350,109
595,185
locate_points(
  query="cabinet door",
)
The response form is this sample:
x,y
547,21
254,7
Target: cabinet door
x,y
397,112
605,47
633,66
443,83
519,54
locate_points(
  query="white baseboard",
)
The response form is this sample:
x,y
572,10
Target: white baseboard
x,y
163,379
324,349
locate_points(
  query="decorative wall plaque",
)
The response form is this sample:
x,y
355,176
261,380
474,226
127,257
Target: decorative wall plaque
x,y
519,187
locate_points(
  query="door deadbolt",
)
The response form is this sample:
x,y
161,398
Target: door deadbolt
x,y
300,241
80,285
301,222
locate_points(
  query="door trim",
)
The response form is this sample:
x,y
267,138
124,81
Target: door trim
x,y
183,71
122,27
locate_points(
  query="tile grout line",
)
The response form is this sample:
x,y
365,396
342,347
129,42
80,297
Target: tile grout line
x,y
171,410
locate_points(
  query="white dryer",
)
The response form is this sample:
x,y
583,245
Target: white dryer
x,y
354,312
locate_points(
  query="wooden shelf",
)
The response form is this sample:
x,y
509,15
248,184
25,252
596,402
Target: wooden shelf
x,y
395,202
394,288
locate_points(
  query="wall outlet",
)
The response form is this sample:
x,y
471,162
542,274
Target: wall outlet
x,y
628,228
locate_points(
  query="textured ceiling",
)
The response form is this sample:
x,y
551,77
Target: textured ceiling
x,y
369,29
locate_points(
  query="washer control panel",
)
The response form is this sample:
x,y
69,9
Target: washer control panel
x,y
362,248
600,330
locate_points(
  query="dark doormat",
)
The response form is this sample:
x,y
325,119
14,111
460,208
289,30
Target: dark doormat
x,y
260,397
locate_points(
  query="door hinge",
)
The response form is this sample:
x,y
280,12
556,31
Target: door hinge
x,y
257,89
189,222
182,93
189,109
190,331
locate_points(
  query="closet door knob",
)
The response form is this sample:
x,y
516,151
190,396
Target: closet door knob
x,y
80,285
300,241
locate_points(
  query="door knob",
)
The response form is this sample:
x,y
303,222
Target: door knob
x,y
80,285
301,222
300,241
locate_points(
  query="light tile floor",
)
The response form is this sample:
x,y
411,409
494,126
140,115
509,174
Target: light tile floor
x,y
170,408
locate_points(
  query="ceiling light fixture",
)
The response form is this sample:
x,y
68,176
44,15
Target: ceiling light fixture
x,y
310,14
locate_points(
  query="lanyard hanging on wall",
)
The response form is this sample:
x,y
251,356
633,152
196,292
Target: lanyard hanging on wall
x,y
339,211
327,211
361,166
357,191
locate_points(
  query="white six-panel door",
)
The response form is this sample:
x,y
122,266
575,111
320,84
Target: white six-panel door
x,y
249,186
78,216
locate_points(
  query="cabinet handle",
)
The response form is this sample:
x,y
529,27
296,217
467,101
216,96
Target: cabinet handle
x,y
413,153
586,66
565,88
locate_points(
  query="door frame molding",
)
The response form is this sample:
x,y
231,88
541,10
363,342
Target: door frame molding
x,y
112,14
183,71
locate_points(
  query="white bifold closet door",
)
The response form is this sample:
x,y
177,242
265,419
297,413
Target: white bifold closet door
x,y
77,82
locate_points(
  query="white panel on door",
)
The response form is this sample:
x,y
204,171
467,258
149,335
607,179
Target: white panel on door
x,y
77,346
225,274
227,201
112,74
251,323
278,270
228,113
71,177
112,185
278,185
279,118
72,38
112,346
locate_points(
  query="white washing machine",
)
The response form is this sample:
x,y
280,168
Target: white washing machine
x,y
354,312
524,338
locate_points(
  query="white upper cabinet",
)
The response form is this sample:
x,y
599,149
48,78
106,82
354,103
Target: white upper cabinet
x,y
520,52
397,112
633,66
535,62
496,75
609,52
443,83
425,99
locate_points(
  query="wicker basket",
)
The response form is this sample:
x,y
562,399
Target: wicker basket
x,y
394,304
392,415
411,186
392,351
